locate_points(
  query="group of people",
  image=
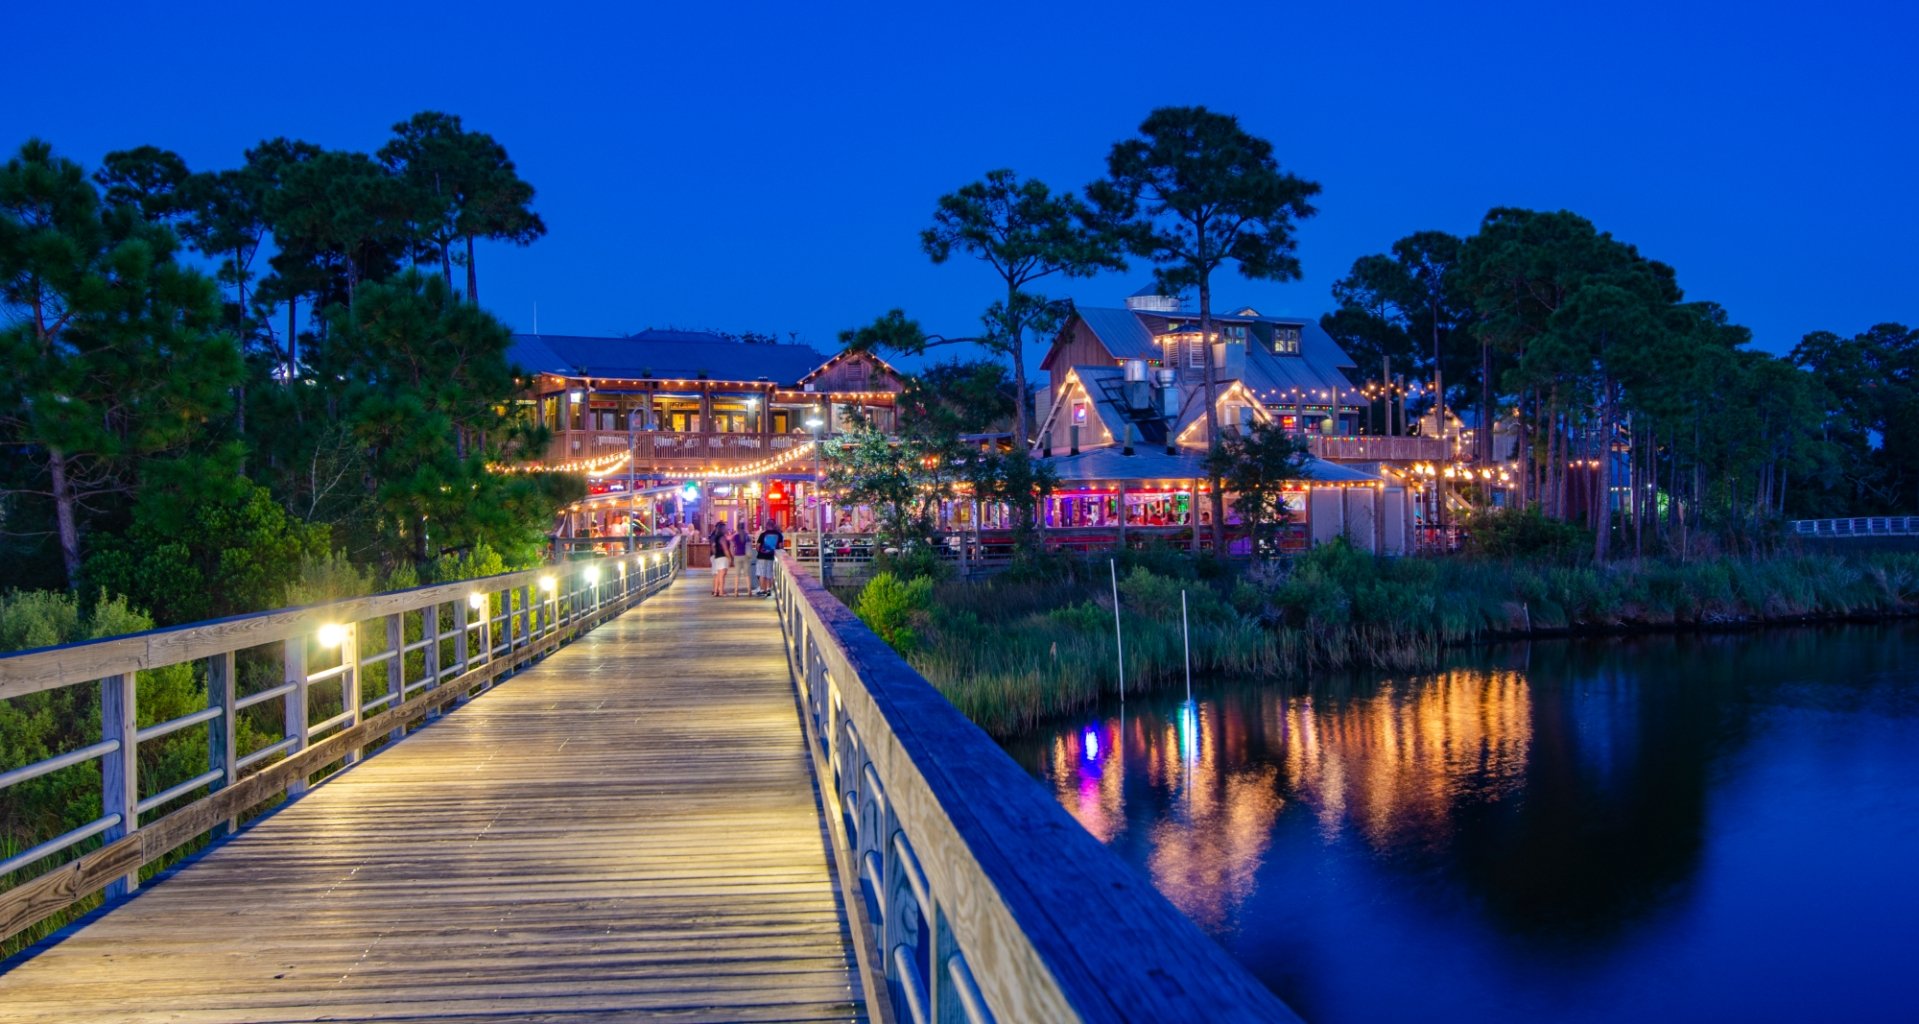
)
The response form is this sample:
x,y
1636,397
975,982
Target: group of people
x,y
730,554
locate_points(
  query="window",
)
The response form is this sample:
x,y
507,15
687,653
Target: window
x,y
856,375
1195,353
1079,414
1286,340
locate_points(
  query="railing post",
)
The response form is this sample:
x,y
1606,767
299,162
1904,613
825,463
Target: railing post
x,y
350,683
485,609
396,669
296,706
221,732
120,769
461,654
430,632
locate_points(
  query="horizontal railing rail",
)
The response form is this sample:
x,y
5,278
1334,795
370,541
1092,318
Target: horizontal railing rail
x,y
979,897
1860,526
470,634
1380,448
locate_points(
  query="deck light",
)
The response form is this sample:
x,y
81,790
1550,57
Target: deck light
x,y
332,635
592,574
548,583
477,601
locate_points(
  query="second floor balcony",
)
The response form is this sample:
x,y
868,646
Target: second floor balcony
x,y
1379,448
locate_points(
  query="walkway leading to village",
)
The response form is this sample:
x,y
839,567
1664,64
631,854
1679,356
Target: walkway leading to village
x,y
627,830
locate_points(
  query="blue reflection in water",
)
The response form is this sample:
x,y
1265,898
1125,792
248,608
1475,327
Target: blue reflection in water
x,y
1667,828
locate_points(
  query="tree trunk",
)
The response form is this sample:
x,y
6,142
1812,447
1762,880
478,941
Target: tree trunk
x,y
1017,338
446,263
472,275
1486,413
64,505
293,337
1218,499
1602,479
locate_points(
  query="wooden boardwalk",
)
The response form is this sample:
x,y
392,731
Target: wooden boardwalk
x,y
626,831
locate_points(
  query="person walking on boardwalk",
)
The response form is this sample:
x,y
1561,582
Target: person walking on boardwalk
x,y
736,556
764,549
720,562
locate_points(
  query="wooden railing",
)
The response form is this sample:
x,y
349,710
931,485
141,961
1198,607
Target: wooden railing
x,y
467,635
1864,526
1380,448
973,892
653,447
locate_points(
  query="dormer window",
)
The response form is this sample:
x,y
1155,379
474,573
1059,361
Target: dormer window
x,y
1286,340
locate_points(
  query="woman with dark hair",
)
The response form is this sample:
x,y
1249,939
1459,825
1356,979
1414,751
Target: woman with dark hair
x,y
721,552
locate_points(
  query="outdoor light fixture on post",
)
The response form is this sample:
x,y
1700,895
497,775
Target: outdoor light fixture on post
x,y
478,603
592,574
552,587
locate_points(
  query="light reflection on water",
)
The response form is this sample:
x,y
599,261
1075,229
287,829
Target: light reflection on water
x,y
1545,831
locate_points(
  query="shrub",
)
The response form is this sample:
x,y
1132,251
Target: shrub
x,y
1526,533
898,611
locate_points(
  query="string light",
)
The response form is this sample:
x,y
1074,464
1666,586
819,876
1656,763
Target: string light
x,y
596,466
761,467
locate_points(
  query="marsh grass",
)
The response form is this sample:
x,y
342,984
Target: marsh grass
x,y
1010,652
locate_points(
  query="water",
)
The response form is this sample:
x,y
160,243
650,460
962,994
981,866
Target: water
x,y
1673,828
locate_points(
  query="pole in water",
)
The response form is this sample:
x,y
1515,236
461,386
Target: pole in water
x,y
1119,644
1186,637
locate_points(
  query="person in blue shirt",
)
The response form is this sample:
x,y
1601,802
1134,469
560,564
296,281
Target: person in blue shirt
x,y
764,550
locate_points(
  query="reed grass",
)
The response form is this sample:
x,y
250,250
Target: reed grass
x,y
1011,652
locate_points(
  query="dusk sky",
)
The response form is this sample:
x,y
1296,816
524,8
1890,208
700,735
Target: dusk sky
x,y
768,168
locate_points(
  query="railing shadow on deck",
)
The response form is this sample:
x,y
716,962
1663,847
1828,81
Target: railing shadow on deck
x,y
983,899
468,635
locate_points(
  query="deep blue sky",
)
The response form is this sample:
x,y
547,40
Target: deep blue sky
x,y
768,167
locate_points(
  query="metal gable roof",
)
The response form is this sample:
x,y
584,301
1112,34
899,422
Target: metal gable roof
x,y
1121,331
664,355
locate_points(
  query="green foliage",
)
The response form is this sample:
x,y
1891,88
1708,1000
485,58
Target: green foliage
x,y
40,725
1868,389
480,561
1526,533
329,576
114,356
208,546
1258,467
1009,652
897,610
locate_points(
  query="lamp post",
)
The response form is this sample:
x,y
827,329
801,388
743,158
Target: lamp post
x,y
814,423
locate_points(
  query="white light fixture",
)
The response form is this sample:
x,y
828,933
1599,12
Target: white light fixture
x,y
592,574
548,583
477,601
332,635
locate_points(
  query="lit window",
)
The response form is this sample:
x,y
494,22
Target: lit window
x,y
1079,413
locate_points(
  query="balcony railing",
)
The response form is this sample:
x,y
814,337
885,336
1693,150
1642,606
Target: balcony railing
x,y
1374,448
672,447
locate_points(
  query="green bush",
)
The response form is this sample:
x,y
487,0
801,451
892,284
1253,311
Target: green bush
x,y
1526,533
229,550
898,611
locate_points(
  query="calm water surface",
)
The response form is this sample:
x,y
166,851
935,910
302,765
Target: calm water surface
x,y
1676,828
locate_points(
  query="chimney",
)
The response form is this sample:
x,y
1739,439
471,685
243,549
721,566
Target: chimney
x,y
1139,393
1073,436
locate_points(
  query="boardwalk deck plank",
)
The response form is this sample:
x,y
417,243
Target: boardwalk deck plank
x,y
627,831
